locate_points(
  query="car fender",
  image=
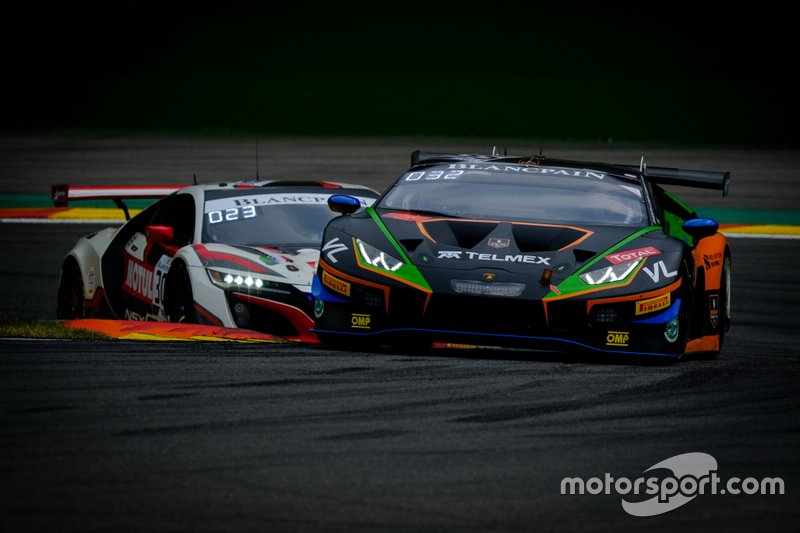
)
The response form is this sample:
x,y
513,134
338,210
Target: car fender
x,y
708,255
206,295
87,253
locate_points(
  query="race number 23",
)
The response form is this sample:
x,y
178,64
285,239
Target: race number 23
x,y
228,215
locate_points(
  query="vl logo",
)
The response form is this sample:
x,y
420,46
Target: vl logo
x,y
333,247
659,269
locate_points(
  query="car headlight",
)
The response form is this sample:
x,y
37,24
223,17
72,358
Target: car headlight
x,y
244,282
611,273
373,256
226,279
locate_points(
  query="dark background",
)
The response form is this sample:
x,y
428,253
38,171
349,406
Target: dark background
x,y
672,74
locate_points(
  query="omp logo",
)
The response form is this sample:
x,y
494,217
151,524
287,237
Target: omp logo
x,y
138,280
617,338
360,321
630,255
652,304
690,475
336,284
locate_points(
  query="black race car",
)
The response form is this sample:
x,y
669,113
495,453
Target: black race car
x,y
529,252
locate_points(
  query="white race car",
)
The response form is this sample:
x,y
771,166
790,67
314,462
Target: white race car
x,y
236,254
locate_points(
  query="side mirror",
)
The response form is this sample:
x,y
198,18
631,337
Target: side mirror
x,y
344,204
700,227
159,234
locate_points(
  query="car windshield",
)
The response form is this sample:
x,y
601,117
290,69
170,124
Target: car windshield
x,y
517,192
255,218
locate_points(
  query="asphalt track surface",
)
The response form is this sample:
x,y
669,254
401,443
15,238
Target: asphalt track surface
x,y
100,435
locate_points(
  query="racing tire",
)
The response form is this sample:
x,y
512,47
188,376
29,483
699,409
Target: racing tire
x,y
70,304
179,298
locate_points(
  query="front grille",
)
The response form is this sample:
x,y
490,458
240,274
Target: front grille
x,y
566,315
485,314
405,305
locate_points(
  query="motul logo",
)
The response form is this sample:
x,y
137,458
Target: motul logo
x,y
630,255
139,281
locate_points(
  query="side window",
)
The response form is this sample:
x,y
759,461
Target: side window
x,y
671,204
178,213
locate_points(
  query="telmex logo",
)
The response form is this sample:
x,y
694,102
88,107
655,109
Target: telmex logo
x,y
630,255
475,256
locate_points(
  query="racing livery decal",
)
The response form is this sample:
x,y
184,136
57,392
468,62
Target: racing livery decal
x,y
617,338
517,258
652,304
336,284
713,309
629,255
138,280
659,269
333,247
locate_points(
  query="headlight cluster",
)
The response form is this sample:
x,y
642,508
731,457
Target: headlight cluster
x,y
226,279
611,273
377,258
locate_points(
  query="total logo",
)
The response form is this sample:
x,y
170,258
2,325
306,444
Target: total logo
x,y
631,255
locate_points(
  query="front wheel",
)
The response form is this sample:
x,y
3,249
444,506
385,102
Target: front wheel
x,y
179,297
70,303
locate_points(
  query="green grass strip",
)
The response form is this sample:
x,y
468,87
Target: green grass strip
x,y
44,329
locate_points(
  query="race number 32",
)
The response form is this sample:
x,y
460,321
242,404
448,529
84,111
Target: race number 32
x,y
430,175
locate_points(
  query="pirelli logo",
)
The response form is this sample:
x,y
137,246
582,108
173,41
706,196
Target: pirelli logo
x,y
335,284
653,304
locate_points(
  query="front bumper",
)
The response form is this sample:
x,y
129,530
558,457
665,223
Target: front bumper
x,y
392,314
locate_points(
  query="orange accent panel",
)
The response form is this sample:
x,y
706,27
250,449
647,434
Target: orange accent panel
x,y
639,296
709,246
709,343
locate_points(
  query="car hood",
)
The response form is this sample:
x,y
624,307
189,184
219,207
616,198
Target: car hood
x,y
444,249
284,265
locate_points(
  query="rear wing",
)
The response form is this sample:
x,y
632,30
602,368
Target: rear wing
x,y
63,194
702,179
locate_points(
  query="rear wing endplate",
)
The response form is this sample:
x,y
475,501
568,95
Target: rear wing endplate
x,y
62,194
